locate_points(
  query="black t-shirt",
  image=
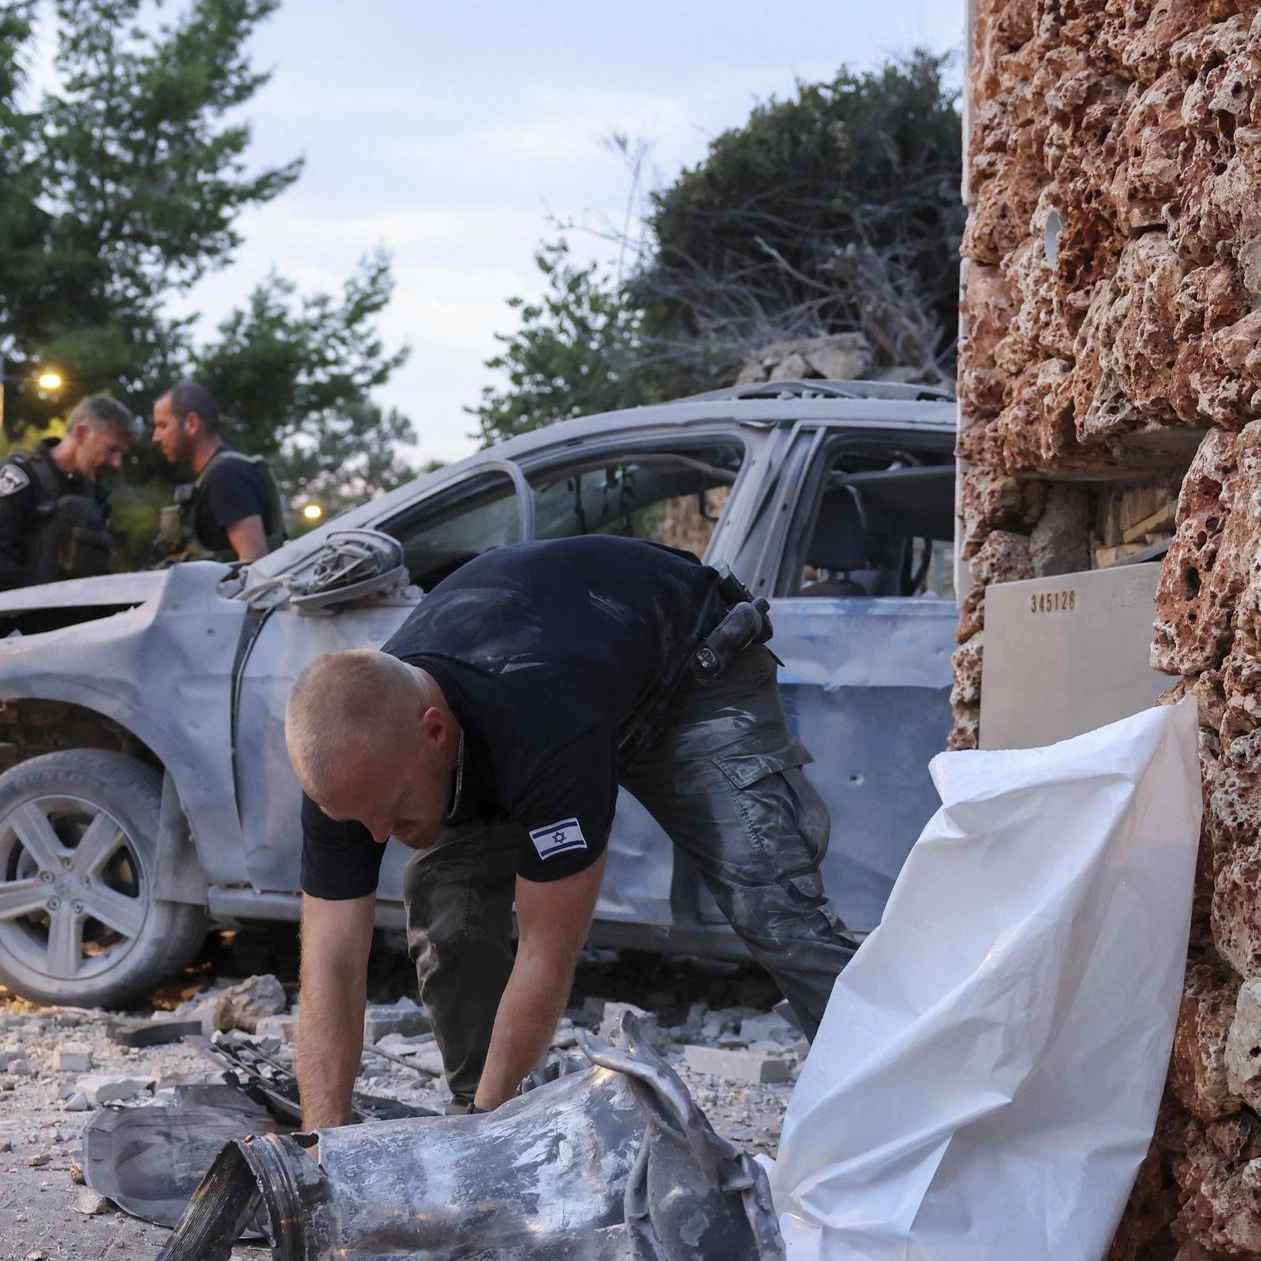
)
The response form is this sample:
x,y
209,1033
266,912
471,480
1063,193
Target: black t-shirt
x,y
233,489
558,659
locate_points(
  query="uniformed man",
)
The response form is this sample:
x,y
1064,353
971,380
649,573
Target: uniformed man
x,y
54,503
490,735
232,509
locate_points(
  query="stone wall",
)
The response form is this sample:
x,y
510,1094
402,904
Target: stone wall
x,y
1112,321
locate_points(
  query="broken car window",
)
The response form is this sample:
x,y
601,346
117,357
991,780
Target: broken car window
x,y
674,497
880,527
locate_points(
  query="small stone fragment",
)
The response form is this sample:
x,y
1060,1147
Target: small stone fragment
x,y
37,1162
76,1174
403,1017
745,1066
73,1057
283,1027
98,1088
90,1204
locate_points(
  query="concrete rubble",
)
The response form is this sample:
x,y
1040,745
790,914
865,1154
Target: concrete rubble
x,y
1110,384
44,1108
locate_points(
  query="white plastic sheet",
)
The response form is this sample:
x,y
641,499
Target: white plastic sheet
x,y
986,1078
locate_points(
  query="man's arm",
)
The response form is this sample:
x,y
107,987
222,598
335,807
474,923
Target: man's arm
x,y
553,920
336,942
247,538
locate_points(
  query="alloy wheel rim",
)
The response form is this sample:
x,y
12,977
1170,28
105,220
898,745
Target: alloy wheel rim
x,y
73,891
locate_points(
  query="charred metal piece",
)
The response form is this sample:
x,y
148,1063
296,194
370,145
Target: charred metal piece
x,y
615,1163
271,1081
150,1160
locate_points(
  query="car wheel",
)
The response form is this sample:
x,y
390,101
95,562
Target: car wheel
x,y
79,922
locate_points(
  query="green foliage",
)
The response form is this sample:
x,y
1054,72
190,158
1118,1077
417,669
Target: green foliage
x,y
751,245
126,190
124,187
836,210
577,352
292,377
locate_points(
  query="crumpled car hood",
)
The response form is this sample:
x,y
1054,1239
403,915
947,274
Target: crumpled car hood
x,y
108,589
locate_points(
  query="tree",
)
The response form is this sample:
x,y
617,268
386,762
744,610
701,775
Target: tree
x,y
836,210
123,187
846,192
293,375
129,182
577,351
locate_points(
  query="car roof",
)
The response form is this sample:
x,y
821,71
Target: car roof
x,y
874,405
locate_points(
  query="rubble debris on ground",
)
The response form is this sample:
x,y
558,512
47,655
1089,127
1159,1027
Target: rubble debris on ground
x,y
42,1112
665,1179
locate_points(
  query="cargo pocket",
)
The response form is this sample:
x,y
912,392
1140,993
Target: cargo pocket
x,y
786,820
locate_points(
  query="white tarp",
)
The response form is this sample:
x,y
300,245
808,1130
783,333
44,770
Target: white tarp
x,y
986,1078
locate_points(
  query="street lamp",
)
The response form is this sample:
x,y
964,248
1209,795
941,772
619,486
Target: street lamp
x,y
47,380
312,513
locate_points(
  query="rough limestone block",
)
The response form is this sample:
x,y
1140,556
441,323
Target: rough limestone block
x,y
1243,1046
743,1066
997,501
1198,1069
1060,542
1195,599
1237,911
240,1006
966,663
1222,1212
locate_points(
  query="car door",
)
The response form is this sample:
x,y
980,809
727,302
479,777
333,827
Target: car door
x,y
439,531
859,571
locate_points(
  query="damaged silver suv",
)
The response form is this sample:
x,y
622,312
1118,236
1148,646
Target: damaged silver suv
x,y
147,795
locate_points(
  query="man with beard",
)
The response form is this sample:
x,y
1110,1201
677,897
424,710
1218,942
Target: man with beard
x,y
232,509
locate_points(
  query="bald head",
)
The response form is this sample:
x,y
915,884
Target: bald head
x,y
346,706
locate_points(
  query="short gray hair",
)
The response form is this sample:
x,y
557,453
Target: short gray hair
x,y
98,411
344,699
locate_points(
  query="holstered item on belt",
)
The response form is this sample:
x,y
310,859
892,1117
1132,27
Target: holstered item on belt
x,y
746,623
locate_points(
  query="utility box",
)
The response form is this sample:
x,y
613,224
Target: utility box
x,y
1067,654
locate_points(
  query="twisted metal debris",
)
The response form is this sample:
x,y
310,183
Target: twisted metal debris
x,y
613,1163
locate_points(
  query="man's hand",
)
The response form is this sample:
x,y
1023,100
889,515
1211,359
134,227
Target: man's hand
x,y
336,942
553,920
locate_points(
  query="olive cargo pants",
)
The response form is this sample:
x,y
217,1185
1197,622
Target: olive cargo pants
x,y
724,780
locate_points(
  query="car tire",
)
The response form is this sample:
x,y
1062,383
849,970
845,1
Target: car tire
x,y
80,923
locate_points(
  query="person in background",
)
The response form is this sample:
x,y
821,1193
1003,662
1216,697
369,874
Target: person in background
x,y
231,510
54,502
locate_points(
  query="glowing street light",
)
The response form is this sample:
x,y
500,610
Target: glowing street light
x,y
312,513
47,380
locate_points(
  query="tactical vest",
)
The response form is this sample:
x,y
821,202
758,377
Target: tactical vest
x,y
177,532
72,539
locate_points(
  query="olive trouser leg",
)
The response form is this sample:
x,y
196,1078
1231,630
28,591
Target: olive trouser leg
x,y
725,782
459,935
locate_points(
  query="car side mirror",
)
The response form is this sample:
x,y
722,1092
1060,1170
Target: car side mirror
x,y
351,565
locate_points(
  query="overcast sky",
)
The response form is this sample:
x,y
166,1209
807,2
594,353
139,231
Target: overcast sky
x,y
450,132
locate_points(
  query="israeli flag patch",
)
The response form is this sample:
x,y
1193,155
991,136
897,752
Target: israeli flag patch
x,y
558,838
